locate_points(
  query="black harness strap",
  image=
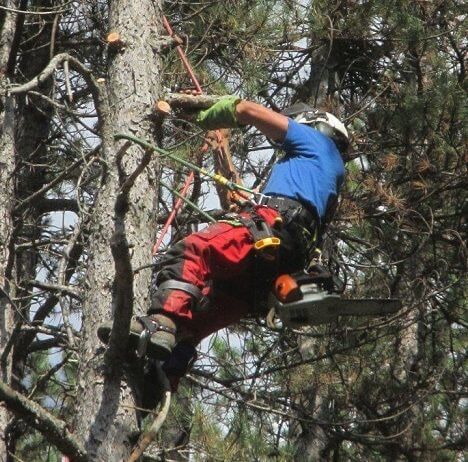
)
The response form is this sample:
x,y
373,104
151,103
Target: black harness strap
x,y
191,289
292,210
201,302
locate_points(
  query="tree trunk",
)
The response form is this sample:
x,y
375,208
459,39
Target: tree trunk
x,y
105,419
33,119
7,166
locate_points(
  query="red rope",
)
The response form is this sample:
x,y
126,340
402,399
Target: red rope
x,y
219,135
189,179
183,57
173,214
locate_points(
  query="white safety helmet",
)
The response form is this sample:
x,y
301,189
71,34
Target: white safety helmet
x,y
324,122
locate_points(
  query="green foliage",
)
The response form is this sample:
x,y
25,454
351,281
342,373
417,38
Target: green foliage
x,y
51,381
34,448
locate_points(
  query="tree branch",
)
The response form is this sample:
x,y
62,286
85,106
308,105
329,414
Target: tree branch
x,y
61,288
47,72
53,429
183,101
41,345
122,302
150,433
54,205
55,181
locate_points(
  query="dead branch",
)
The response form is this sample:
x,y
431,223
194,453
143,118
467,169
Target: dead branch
x,y
47,344
47,72
72,254
61,288
122,303
54,205
53,429
62,107
69,253
114,41
35,13
56,180
166,43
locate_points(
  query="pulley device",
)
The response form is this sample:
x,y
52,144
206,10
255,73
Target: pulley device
x,y
311,298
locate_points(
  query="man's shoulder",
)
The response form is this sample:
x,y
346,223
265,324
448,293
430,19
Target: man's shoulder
x,y
307,131
306,136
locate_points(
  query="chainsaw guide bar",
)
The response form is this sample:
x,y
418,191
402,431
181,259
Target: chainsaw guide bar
x,y
311,305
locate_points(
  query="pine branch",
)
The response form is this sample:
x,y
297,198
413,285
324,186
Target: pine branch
x,y
53,429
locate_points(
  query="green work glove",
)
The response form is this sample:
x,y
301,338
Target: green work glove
x,y
221,115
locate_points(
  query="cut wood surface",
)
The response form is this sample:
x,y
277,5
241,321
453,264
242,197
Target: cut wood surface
x,y
114,40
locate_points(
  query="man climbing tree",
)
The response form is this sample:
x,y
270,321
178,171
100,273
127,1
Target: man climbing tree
x,y
213,278
385,389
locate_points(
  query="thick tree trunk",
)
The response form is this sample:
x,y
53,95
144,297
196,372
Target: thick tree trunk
x,y
6,37
33,119
105,419
7,166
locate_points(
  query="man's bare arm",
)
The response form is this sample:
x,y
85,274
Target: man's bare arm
x,y
272,124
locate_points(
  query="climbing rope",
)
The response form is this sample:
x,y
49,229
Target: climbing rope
x,y
164,153
221,152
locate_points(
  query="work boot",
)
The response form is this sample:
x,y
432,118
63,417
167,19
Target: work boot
x,y
153,335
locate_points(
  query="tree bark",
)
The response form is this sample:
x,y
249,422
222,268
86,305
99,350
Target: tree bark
x,y
7,166
33,121
191,102
104,417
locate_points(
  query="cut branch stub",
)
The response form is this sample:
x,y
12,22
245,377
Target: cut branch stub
x,y
115,41
163,108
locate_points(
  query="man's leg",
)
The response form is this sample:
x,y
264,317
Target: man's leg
x,y
225,310
220,250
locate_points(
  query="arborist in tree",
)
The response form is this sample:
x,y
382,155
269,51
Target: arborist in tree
x,y
214,277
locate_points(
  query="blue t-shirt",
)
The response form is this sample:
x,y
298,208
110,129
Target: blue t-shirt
x,y
312,170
